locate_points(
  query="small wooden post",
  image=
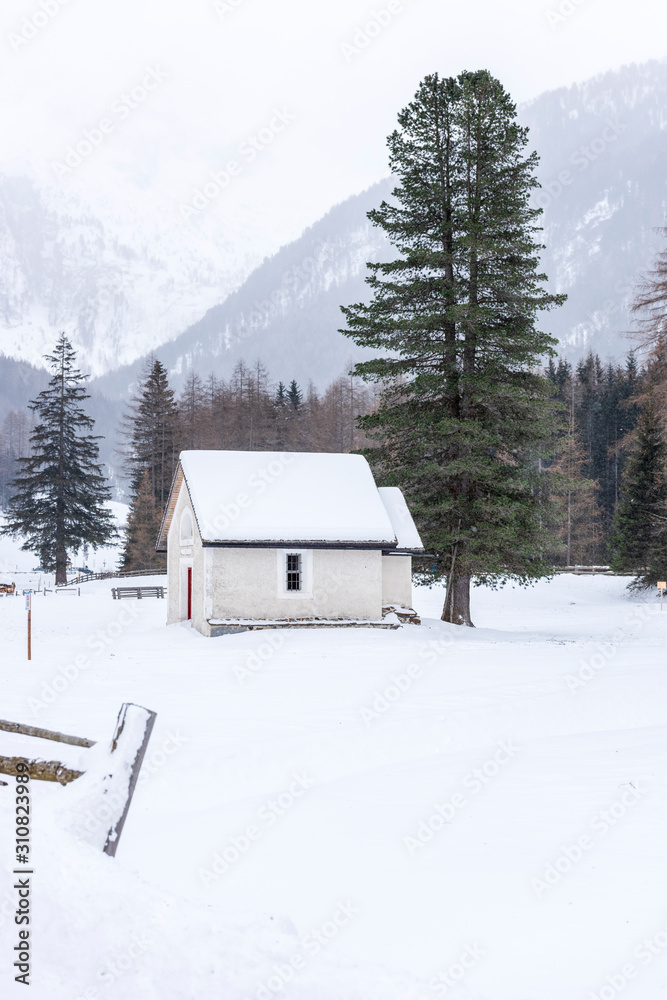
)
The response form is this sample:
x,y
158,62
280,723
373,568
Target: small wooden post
x,y
662,587
28,603
128,749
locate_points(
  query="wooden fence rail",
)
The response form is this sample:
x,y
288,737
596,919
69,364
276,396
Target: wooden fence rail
x,y
126,754
112,574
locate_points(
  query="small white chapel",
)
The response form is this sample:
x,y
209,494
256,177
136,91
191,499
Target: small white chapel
x,y
284,538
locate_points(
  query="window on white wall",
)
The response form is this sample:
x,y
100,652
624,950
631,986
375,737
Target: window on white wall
x,y
187,527
294,571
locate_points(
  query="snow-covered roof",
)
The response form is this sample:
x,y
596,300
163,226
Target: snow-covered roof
x,y
405,529
288,498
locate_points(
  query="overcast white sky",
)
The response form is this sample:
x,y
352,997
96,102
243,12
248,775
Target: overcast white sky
x,y
230,64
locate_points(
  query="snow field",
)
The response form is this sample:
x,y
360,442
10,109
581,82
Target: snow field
x,y
432,811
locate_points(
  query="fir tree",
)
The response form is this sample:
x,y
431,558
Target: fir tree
x,y
59,495
143,526
639,539
152,430
280,404
463,409
294,395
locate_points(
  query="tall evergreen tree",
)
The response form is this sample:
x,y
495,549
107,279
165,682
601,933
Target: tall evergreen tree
x,y
152,433
143,525
294,394
639,540
59,495
463,409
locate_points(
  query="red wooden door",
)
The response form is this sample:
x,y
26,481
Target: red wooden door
x,y
189,591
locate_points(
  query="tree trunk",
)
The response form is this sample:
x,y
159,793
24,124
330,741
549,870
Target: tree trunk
x,y
61,565
457,602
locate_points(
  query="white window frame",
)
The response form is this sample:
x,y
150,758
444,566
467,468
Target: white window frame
x,y
306,591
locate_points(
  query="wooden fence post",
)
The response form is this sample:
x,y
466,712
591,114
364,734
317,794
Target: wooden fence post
x,y
128,749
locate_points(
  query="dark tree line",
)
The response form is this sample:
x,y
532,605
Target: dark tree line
x,y
600,408
51,486
639,533
614,448
247,412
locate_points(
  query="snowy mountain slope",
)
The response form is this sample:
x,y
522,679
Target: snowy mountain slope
x,y
603,147
125,275
288,311
120,276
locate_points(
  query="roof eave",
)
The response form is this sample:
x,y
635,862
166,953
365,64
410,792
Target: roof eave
x,y
294,543
165,524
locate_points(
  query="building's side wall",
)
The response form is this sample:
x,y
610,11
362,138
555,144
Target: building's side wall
x,y
245,583
180,556
397,580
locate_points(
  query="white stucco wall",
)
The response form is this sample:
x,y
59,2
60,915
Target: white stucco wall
x,y
397,580
344,583
180,555
237,582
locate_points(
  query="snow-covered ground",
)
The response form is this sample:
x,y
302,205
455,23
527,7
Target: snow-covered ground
x,y
354,814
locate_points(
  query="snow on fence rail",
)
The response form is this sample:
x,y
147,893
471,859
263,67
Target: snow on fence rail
x,y
607,570
591,570
121,770
111,574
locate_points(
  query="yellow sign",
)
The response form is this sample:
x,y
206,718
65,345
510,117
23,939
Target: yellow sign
x,y
662,586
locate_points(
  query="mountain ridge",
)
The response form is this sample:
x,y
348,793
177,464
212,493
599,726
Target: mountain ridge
x,y
602,144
